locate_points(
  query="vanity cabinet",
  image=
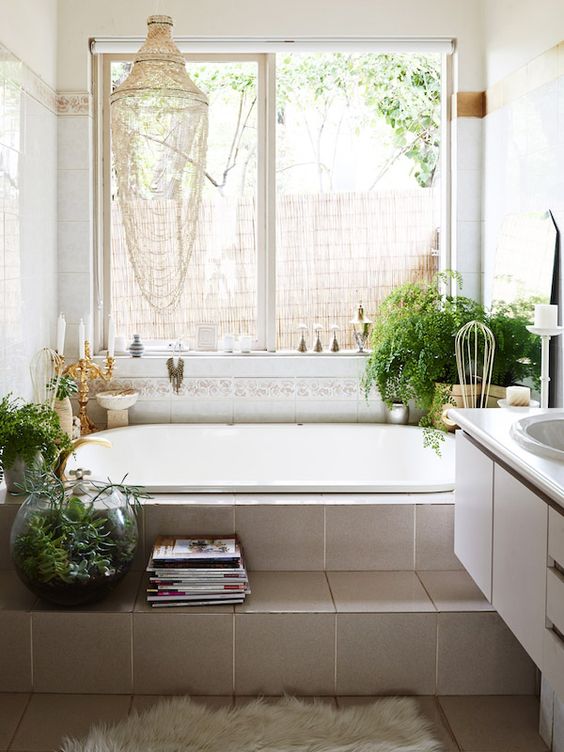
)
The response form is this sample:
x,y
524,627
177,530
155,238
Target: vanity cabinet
x,y
519,560
473,520
553,647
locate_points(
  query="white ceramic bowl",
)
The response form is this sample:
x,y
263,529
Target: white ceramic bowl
x,y
117,399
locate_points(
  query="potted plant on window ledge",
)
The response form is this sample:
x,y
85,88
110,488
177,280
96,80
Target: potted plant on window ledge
x,y
413,358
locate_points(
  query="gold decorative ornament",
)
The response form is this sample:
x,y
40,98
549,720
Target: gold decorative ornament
x,y
361,328
84,371
159,121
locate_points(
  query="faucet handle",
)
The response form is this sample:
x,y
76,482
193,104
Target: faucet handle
x,y
80,473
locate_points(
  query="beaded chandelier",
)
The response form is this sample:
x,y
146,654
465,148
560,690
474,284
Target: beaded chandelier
x,y
159,122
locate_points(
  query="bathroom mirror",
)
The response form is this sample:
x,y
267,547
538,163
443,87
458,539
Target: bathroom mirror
x,y
524,259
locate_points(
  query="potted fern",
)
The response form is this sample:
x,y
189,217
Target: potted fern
x,y
28,431
413,356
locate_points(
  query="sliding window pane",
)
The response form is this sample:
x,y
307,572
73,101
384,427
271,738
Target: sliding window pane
x,y
221,283
358,195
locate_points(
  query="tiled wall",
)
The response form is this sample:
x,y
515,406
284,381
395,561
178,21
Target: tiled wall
x,y
524,148
253,388
28,216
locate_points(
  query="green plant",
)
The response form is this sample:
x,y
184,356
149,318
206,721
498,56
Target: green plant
x,y
65,387
517,351
67,538
413,341
28,429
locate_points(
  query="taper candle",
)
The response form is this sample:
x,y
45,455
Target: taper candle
x,y
81,338
61,329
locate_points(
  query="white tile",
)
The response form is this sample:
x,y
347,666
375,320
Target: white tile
x,y
150,411
201,410
469,143
326,411
75,296
74,244
469,250
74,142
264,411
74,195
469,195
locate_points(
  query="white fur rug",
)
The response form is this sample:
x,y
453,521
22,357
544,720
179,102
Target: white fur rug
x,y
179,725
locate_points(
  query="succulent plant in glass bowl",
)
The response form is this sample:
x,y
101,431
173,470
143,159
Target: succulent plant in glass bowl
x,y
71,543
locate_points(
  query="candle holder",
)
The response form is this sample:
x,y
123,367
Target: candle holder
x,y
84,371
545,334
361,328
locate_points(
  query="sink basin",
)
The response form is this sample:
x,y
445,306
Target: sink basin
x,y
541,434
117,399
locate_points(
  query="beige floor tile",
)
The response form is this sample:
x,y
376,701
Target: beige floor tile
x,y
120,600
287,592
454,591
183,653
478,655
141,703
429,708
370,537
281,537
434,537
82,652
378,592
49,718
272,700
383,654
278,653
12,707
494,724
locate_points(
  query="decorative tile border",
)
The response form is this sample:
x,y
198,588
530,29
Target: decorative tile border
x,y
74,103
59,103
249,388
331,389
206,388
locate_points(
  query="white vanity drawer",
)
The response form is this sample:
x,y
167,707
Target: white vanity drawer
x,y
555,598
556,536
553,661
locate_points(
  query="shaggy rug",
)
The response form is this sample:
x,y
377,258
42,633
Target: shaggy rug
x,y
179,725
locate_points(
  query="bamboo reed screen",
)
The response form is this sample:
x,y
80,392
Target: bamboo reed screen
x,y
333,249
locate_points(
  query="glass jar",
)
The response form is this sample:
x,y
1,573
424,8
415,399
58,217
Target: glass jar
x,y
73,547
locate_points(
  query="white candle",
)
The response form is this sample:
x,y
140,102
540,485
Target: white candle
x,y
245,343
518,396
81,338
546,316
111,336
228,343
61,329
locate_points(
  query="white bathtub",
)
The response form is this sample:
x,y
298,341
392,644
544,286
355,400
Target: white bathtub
x,y
287,458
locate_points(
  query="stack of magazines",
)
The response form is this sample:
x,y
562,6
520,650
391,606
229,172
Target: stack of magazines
x,y
196,572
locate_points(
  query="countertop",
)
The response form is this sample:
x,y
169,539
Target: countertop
x,y
490,428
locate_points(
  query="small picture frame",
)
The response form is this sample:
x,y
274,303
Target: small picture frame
x,y
206,337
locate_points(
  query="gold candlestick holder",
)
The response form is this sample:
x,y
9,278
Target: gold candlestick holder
x,y
84,371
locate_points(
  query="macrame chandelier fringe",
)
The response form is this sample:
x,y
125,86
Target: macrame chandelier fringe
x,y
159,121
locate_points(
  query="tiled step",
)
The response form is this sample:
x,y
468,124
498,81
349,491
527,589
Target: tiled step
x,y
308,633
300,532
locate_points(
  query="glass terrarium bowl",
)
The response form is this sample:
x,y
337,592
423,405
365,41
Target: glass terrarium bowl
x,y
74,547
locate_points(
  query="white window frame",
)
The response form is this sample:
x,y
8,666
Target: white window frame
x,y
263,52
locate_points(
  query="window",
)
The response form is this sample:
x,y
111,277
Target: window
x,y
324,187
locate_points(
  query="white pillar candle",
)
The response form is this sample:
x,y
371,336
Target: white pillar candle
x,y
111,336
228,343
245,343
518,396
81,338
546,316
120,343
61,329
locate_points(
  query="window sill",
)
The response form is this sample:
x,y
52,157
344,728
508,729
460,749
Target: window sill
x,y
284,364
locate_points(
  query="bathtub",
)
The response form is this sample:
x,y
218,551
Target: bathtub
x,y
271,458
